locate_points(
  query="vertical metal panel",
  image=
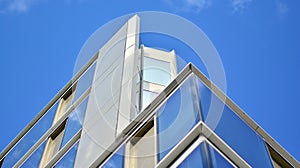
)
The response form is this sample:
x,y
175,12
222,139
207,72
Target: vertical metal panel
x,y
99,126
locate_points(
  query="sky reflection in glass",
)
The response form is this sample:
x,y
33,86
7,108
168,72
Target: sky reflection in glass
x,y
84,82
232,129
69,159
35,158
30,138
74,122
176,117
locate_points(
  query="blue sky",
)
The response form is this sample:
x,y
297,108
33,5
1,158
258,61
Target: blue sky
x,y
258,42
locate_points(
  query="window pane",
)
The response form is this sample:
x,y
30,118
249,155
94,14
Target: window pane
x,y
205,156
74,122
194,160
217,160
84,82
117,160
232,129
156,71
177,117
30,138
69,159
148,96
35,158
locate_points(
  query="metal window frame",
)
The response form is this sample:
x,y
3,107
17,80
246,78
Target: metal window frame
x,y
192,147
201,129
148,113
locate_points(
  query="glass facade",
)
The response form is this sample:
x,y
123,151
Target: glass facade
x,y
30,138
190,103
174,121
168,133
232,129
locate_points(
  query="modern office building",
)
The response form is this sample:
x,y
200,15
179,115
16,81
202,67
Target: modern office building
x,y
129,106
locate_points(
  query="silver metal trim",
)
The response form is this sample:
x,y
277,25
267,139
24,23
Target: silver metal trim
x,y
195,133
221,153
192,147
186,153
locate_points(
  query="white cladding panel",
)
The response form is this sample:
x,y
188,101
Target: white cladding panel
x,y
99,126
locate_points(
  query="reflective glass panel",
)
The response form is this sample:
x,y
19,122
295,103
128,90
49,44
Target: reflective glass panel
x,y
148,96
68,159
232,129
84,82
217,160
156,71
194,160
117,160
176,117
74,122
30,138
205,156
35,158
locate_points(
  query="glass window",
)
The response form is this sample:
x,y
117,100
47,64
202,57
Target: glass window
x,y
232,129
177,117
204,156
84,82
117,160
156,71
216,159
148,96
194,159
68,159
35,158
74,122
30,138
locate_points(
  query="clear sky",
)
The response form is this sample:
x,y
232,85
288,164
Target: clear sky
x,y
258,42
